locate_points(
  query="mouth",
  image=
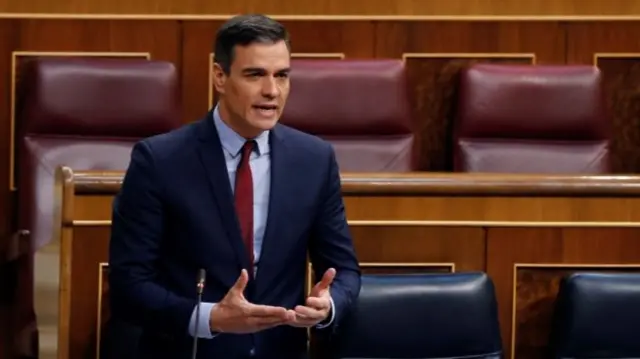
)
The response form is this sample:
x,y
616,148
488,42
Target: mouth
x,y
266,110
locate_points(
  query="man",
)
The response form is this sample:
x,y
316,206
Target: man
x,y
243,198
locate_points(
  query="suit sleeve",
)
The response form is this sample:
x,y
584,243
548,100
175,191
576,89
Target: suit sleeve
x,y
332,245
136,236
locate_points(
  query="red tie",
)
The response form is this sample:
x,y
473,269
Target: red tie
x,y
244,198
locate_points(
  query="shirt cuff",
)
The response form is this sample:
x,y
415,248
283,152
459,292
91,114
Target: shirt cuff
x,y
203,330
331,317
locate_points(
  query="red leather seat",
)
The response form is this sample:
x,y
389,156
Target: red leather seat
x,y
535,119
360,106
86,114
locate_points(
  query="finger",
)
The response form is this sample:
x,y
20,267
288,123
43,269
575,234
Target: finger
x,y
308,313
318,303
241,283
256,310
304,321
261,323
291,315
325,282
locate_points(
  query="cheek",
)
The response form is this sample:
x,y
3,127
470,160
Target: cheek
x,y
284,90
240,98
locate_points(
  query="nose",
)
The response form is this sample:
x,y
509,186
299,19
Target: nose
x,y
270,87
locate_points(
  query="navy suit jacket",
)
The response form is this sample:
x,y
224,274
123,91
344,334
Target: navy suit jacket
x,y
175,215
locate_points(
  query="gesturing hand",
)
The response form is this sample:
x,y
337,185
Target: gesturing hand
x,y
318,304
234,314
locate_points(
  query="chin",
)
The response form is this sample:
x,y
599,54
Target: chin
x,y
264,124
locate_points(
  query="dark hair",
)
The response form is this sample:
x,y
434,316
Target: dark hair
x,y
244,30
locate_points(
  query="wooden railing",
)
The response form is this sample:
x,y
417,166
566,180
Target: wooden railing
x,y
525,231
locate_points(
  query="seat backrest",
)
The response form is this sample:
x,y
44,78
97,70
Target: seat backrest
x,y
422,316
535,119
597,316
360,106
86,114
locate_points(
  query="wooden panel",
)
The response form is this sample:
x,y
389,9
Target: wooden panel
x,y
621,72
93,208
103,310
328,7
525,295
385,247
524,259
394,38
459,209
78,331
536,290
616,51
9,30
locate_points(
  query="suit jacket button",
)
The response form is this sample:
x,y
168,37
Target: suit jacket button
x,y
252,352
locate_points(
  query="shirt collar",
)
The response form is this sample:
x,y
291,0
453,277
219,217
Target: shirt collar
x,y
232,142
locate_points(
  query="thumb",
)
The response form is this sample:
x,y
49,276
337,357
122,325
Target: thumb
x,y
325,282
241,283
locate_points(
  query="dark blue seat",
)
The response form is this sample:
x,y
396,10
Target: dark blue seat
x,y
597,315
422,316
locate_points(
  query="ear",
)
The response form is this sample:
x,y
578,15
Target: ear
x,y
219,78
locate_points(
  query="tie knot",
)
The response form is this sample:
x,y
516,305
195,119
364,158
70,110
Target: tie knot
x,y
247,148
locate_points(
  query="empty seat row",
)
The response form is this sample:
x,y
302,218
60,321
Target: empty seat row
x,y
87,113
455,316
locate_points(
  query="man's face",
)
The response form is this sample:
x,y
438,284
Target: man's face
x,y
255,91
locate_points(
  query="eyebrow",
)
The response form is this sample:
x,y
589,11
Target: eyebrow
x,y
250,70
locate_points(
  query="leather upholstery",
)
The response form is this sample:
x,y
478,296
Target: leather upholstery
x,y
422,316
360,106
87,114
536,119
597,316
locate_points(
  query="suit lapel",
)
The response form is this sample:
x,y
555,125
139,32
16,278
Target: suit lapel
x,y
274,244
212,157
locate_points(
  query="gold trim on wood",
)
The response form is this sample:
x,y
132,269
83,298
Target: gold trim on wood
x,y
419,223
400,223
91,223
101,267
12,107
295,55
578,266
438,183
280,17
469,55
64,188
614,55
319,55
451,266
